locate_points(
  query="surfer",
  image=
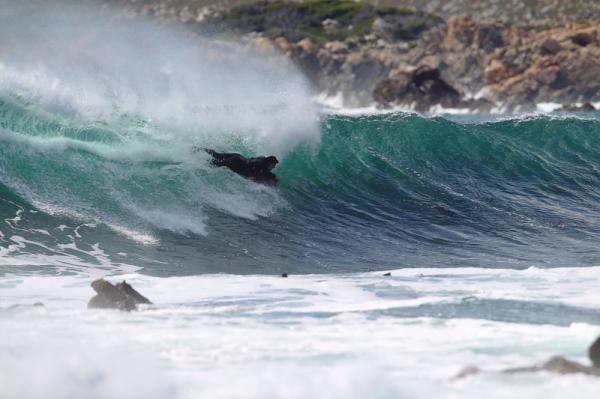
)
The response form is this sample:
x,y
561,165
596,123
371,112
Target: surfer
x,y
256,169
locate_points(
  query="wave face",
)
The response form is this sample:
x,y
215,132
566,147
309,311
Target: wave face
x,y
402,190
99,115
376,192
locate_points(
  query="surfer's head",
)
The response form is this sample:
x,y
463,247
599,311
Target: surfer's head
x,y
270,162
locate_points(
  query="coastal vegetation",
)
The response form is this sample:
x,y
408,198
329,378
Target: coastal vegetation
x,y
320,20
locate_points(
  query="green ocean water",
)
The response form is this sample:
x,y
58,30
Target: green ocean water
x,y
375,192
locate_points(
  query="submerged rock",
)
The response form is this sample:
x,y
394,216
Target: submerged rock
x,y
421,88
122,296
556,364
19,306
594,353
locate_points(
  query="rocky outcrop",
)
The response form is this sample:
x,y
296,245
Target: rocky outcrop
x,y
594,353
446,63
422,87
556,364
402,57
511,67
121,296
586,107
556,65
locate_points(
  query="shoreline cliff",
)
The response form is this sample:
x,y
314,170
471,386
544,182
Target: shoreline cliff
x,y
403,54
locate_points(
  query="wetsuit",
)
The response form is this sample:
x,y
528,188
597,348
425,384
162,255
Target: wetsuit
x,y
257,169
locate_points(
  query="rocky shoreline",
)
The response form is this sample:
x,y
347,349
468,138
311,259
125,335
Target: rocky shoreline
x,y
402,57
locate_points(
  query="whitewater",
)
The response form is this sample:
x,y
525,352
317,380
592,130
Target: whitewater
x,y
487,226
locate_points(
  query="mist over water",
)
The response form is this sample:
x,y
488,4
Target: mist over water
x,y
100,114
91,63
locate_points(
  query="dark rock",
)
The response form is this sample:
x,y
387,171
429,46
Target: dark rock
x,y
306,57
109,297
422,87
392,89
122,296
550,46
284,275
387,274
594,353
586,107
551,65
582,39
128,290
489,37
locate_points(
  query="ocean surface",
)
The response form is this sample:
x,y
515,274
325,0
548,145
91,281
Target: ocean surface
x,y
488,225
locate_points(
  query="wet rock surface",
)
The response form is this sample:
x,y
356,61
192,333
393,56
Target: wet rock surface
x,y
594,353
121,296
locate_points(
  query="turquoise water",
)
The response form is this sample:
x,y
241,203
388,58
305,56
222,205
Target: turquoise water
x,y
376,192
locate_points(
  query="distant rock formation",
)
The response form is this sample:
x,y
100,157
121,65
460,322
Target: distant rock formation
x,y
554,65
121,296
586,107
506,67
412,58
421,88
